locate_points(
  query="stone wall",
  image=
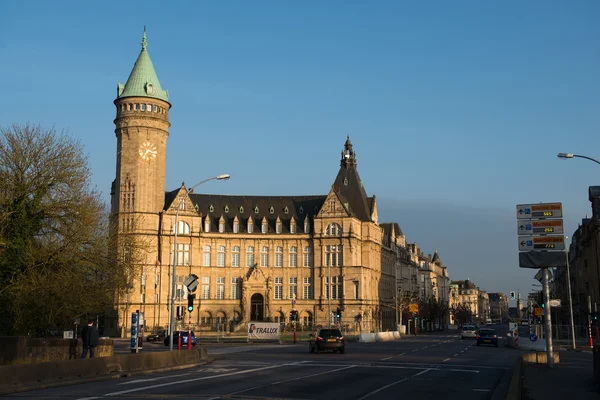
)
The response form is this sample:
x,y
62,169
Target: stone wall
x,y
24,350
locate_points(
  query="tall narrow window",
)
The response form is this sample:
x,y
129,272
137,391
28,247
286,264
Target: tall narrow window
x,y
293,288
206,256
306,226
206,225
264,256
183,254
183,228
279,256
278,227
278,288
308,256
265,227
221,256
355,290
250,256
221,226
235,256
235,288
333,256
292,227
293,256
205,287
307,290
220,288
335,289
236,227
250,226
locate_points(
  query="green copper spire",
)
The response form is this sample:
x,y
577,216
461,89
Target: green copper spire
x,y
143,81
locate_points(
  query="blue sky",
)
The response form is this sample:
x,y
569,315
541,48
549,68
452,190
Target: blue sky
x,y
456,109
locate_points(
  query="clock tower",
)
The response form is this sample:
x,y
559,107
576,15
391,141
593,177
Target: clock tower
x,y
142,128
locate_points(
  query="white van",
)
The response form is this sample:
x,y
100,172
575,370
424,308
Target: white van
x,y
488,321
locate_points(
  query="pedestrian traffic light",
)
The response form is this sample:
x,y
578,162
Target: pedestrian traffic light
x,y
543,305
594,316
191,302
338,313
512,295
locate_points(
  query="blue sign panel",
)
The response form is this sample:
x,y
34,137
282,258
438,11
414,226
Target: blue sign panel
x,y
533,337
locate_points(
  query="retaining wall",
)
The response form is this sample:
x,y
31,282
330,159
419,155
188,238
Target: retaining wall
x,y
24,350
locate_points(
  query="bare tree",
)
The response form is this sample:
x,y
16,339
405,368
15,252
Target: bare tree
x,y
55,263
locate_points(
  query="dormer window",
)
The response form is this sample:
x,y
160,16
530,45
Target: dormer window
x,y
271,210
221,227
265,227
236,227
211,208
149,88
278,227
241,210
306,227
250,226
226,209
197,207
286,210
207,225
292,227
301,211
255,210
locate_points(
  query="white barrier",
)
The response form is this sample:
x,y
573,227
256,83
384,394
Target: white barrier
x,y
379,337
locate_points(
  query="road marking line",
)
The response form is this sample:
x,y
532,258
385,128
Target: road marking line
x,y
193,380
393,383
402,354
387,358
447,359
465,370
481,390
425,347
288,380
152,379
89,398
456,355
415,350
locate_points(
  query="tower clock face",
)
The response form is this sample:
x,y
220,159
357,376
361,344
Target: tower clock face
x,y
148,151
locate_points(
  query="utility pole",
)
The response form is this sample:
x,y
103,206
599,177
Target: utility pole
x,y
548,322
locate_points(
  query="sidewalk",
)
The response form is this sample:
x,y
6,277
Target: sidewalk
x,y
572,378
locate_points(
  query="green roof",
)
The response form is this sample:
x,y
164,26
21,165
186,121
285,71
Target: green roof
x,y
143,81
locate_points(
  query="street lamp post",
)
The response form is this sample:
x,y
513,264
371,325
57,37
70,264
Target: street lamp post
x,y
564,156
222,177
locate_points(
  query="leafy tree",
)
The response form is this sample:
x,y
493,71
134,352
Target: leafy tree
x,y
462,313
55,263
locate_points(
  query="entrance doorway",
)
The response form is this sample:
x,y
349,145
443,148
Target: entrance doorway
x,y
257,303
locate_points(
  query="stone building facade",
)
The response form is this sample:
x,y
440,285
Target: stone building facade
x,y
257,258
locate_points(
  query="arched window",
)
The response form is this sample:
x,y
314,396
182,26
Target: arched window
x,y
235,256
206,256
307,256
183,228
293,256
279,256
264,256
221,256
250,256
333,230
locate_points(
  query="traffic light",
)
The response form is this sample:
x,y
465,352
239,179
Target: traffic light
x,y
594,317
191,302
512,295
338,313
543,305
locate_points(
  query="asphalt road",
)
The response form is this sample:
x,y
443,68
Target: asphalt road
x,y
421,367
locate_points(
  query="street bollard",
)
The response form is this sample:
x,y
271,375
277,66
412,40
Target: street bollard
x,y
294,337
179,342
189,340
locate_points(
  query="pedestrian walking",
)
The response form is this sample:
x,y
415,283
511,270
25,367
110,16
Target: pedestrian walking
x,y
89,338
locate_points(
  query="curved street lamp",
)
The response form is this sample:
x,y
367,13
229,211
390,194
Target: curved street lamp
x,y
564,156
222,177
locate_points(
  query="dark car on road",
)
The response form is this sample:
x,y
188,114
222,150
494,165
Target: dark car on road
x,y
487,336
156,336
184,338
327,339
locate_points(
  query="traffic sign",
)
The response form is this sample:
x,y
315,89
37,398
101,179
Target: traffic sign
x,y
533,337
538,311
541,227
541,243
554,303
540,210
413,307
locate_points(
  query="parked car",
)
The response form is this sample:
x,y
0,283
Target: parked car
x,y
468,331
487,336
327,339
184,338
155,337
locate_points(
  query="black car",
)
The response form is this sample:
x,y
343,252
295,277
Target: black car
x,y
327,339
487,336
156,337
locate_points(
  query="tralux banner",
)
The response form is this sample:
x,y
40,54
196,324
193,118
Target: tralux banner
x,y
264,330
